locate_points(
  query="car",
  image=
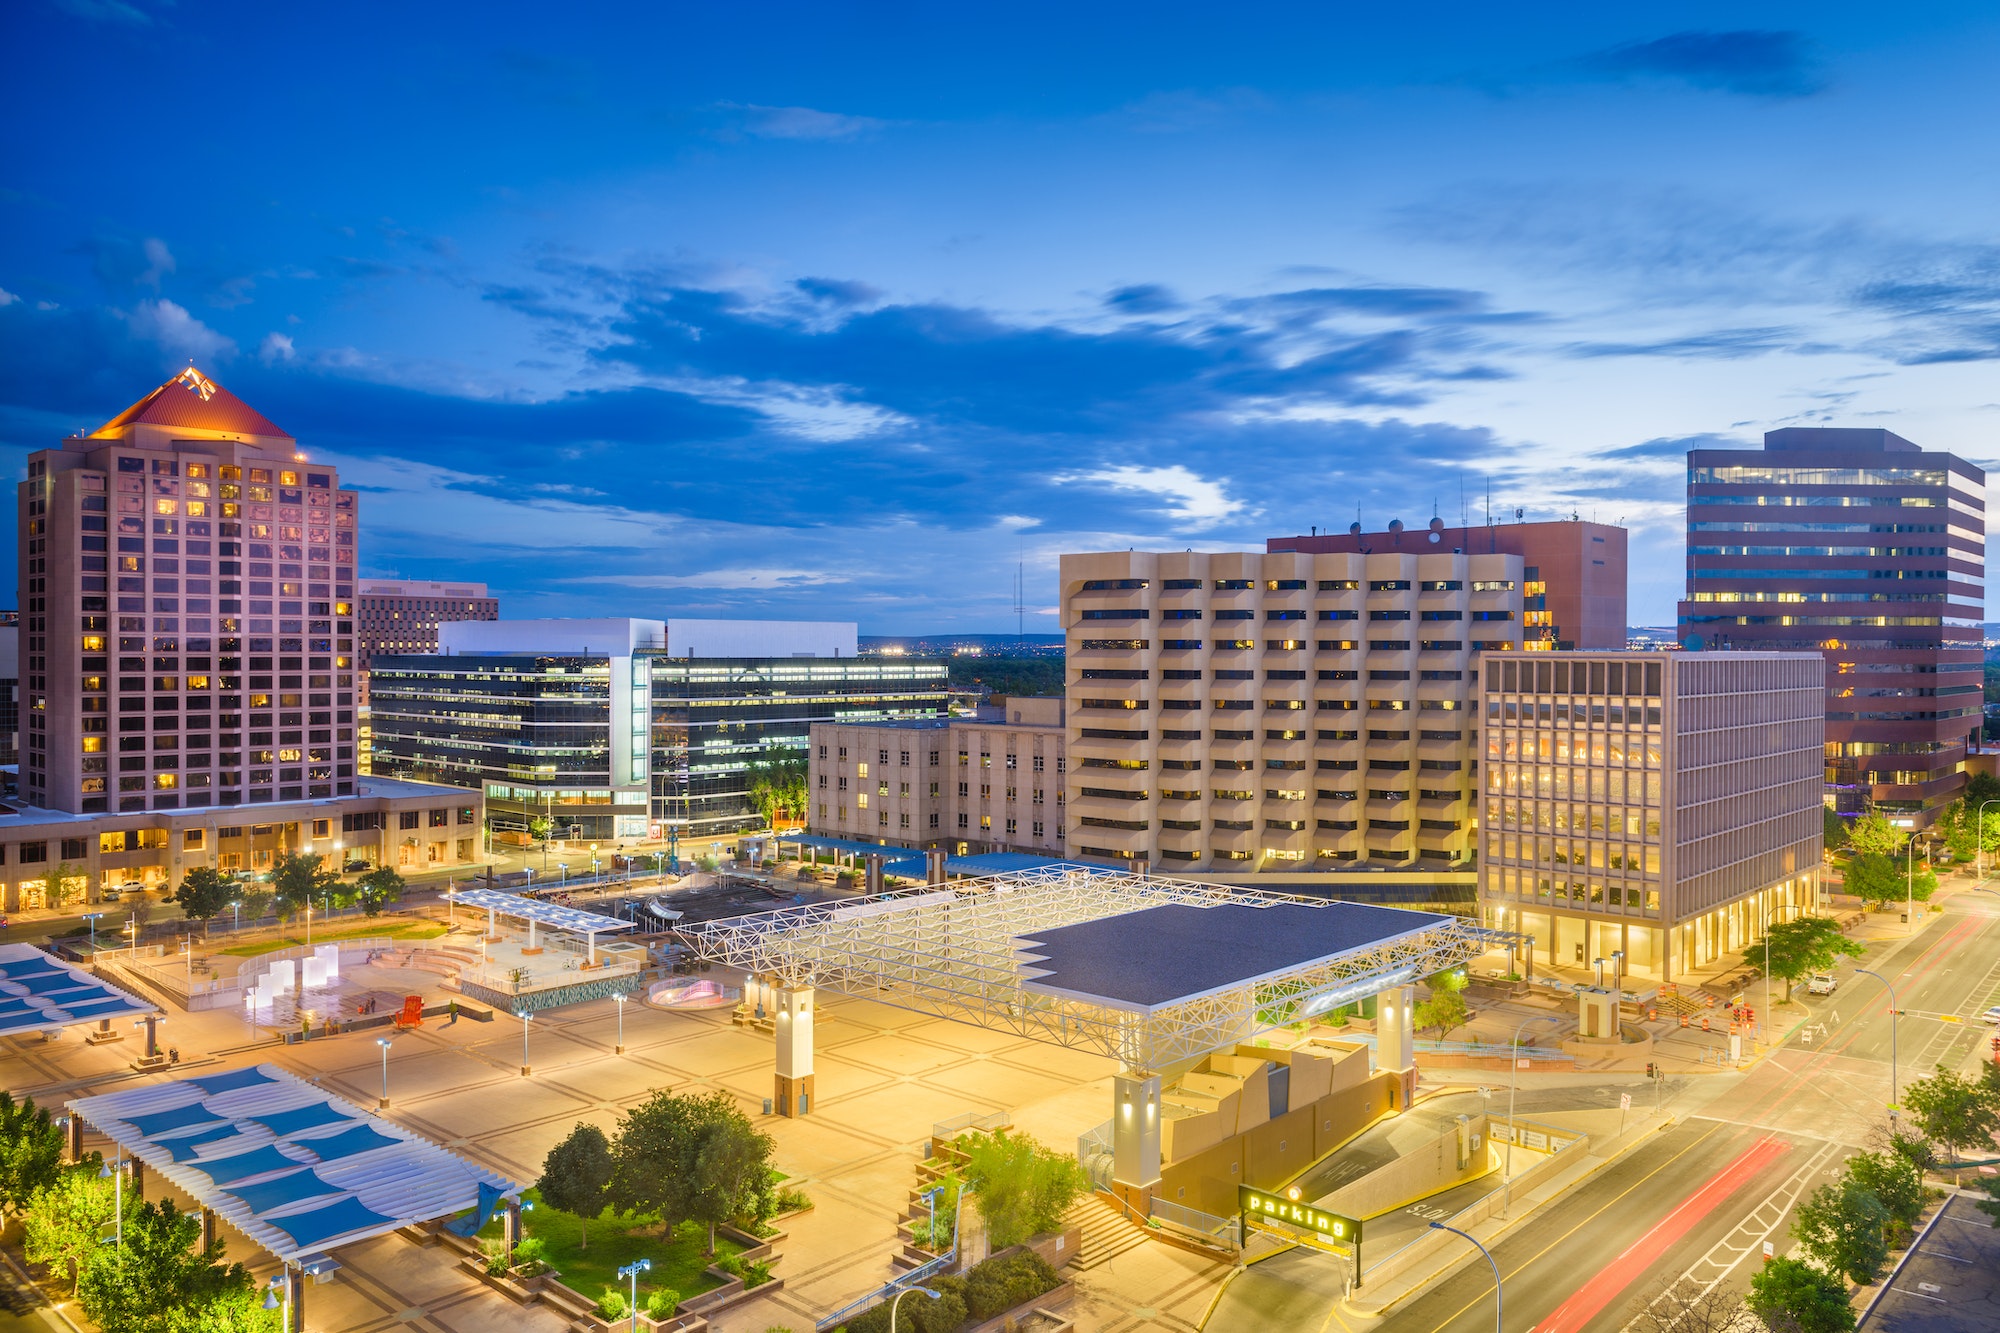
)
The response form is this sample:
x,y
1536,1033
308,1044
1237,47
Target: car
x,y
112,892
133,887
1822,983
1991,1016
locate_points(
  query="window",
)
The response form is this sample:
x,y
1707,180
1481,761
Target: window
x,y
410,819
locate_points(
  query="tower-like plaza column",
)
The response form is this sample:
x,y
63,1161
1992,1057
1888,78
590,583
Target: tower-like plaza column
x,y
1395,1040
1135,1137
794,1022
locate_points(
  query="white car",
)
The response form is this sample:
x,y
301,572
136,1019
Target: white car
x,y
1822,983
1991,1016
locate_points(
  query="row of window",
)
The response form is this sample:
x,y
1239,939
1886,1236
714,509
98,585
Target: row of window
x,y
1296,585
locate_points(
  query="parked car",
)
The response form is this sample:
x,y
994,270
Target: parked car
x,y
1822,983
112,892
356,867
1991,1016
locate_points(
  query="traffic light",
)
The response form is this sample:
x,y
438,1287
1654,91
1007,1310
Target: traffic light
x,y
1649,1063
1749,1014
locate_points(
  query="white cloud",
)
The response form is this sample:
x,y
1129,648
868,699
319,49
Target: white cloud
x,y
1188,498
159,263
7,298
802,122
732,579
177,332
275,347
437,508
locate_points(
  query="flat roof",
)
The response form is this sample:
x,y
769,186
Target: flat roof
x,y
542,913
16,816
1178,952
296,1169
41,993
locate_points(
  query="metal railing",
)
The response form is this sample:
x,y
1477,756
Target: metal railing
x,y
928,1269
987,1123
1226,1231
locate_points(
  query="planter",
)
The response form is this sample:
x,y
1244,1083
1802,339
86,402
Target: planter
x,y
521,1293
1048,1302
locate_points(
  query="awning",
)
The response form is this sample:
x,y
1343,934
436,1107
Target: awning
x,y
41,993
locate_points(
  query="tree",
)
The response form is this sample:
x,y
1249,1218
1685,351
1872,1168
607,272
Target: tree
x,y
575,1175
31,1150
732,1165
1895,1182
1445,1010
1833,829
63,884
203,892
1802,947
1845,1228
234,1312
778,782
1874,835
66,1219
256,902
1021,1187
157,1275
1881,880
380,886
1683,1307
1956,1111
539,827
1788,1294
299,878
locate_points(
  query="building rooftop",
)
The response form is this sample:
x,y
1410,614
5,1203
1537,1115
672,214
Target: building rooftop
x,y
16,818
192,401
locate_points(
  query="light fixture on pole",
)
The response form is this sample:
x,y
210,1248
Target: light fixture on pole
x,y
385,1043
934,1295
115,1173
237,908
619,1049
525,1018
1439,1226
1513,1083
1893,1088
631,1272
92,917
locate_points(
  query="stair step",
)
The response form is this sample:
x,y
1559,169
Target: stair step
x,y
1107,1233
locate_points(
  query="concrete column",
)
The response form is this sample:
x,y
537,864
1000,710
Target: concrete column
x,y
75,1138
1395,1037
138,1178
934,866
510,1227
207,1228
794,1020
1135,1136
873,882
295,1288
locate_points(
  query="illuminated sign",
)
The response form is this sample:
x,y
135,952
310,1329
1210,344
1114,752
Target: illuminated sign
x,y
197,383
1265,1206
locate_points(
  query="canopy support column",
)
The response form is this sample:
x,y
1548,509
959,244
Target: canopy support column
x,y
794,1021
295,1292
873,883
207,1227
138,1178
1395,1041
75,1130
1135,1137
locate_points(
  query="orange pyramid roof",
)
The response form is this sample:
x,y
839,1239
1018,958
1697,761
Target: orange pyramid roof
x,y
192,401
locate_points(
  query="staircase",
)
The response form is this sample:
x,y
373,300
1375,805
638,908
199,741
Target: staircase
x,y
1108,1231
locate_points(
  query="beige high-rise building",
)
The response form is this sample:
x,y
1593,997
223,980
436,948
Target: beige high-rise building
x,y
187,578
971,785
1279,711
1662,805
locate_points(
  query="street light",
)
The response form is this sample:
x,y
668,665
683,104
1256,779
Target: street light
x,y
934,1295
631,1271
237,908
1865,972
564,867
91,917
525,1018
619,1049
115,1172
385,1043
1513,1084
1439,1226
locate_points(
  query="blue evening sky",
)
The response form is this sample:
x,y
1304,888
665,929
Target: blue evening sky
x,y
843,310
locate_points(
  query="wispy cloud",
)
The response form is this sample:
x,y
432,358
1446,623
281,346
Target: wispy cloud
x,y
1749,62
798,122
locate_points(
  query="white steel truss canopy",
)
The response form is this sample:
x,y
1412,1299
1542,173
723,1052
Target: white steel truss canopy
x,y
41,993
553,915
295,1169
1004,952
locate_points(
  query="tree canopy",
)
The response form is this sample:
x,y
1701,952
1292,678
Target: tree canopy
x,y
378,888
1445,1008
778,783
1802,947
689,1158
67,1218
1881,880
1954,1110
1845,1228
31,1150
1792,1296
158,1276
576,1174
1021,1187
302,877
203,892
1874,835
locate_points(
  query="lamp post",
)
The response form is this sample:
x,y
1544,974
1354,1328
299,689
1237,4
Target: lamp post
x,y
1513,1084
934,1295
1439,1226
116,1172
272,1302
563,866
525,1018
91,917
631,1272
385,1043
619,1049
1865,972
187,952
237,908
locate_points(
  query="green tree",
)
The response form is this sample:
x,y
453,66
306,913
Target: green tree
x,y
1874,835
539,827
379,887
31,1150
1445,1010
1895,1182
256,902
1802,947
1845,1228
299,878
1956,1111
731,1165
576,1174
1791,1296
203,892
778,782
1882,880
1955,826
64,885
66,1219
156,1275
1833,829
233,1312
1021,1187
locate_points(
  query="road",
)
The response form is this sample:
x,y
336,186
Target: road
x,y
1701,1198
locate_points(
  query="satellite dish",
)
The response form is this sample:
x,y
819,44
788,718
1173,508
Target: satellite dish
x,y
1354,529
1395,525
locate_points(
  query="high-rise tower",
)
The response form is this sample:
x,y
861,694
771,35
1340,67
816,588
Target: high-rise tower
x,y
187,583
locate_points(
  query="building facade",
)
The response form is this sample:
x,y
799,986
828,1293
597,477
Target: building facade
x,y
1289,711
187,586
599,728
971,785
1662,805
1572,573
1860,546
402,616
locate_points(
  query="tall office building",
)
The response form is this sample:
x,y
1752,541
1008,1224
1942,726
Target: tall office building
x,y
1572,572
1872,551
402,616
1278,711
187,579
1660,805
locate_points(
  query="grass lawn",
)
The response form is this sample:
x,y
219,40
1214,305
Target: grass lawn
x,y
616,1240
406,930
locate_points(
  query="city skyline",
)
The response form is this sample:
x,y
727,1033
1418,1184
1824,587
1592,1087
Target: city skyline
x,y
780,325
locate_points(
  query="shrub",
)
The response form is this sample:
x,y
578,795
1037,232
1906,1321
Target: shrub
x,y
612,1304
1022,1187
756,1274
730,1264
998,1285
792,1201
919,1314
661,1302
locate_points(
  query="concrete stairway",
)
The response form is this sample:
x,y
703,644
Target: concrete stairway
x,y
1108,1231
